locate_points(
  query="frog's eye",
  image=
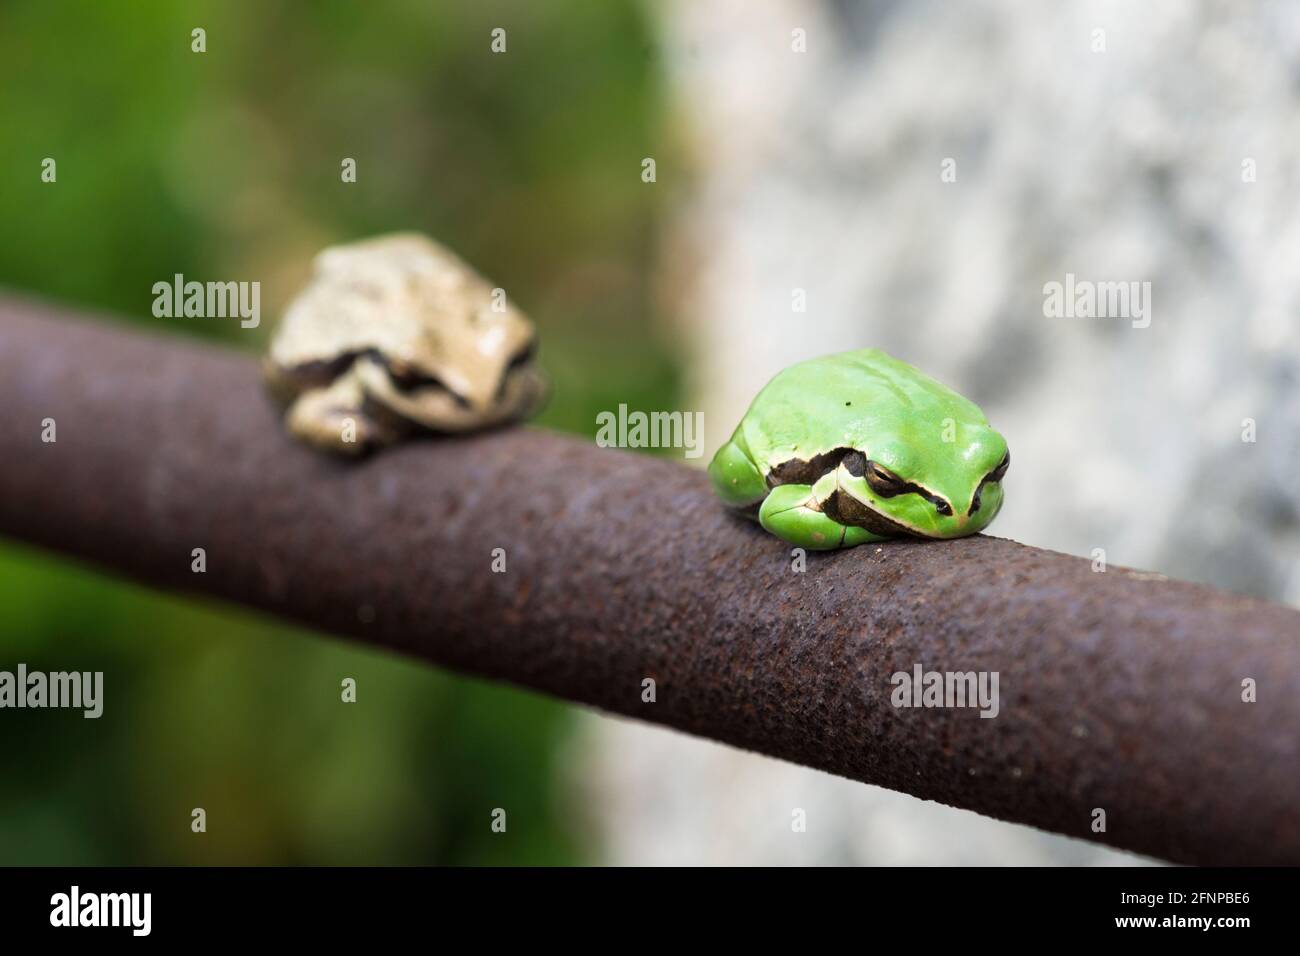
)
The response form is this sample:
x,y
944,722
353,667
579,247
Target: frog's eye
x,y
997,473
883,481
522,357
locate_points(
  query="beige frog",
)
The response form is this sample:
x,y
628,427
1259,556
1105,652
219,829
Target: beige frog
x,y
395,335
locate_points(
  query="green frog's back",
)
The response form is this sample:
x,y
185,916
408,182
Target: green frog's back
x,y
846,400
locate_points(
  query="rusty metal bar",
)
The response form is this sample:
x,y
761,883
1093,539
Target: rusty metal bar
x,y
1117,692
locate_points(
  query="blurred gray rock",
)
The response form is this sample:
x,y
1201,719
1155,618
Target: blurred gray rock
x,y
1121,155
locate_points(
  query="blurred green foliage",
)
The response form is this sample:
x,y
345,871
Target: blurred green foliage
x,y
226,165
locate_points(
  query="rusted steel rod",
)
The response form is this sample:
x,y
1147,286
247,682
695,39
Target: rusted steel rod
x,y
1117,692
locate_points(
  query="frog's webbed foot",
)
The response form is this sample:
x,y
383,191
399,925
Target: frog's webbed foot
x,y
335,419
794,513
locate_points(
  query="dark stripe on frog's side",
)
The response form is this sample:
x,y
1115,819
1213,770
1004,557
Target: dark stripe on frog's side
x,y
845,509
322,372
319,373
799,471
841,508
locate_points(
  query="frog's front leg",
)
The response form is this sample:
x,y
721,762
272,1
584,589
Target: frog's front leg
x,y
334,418
794,513
735,477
